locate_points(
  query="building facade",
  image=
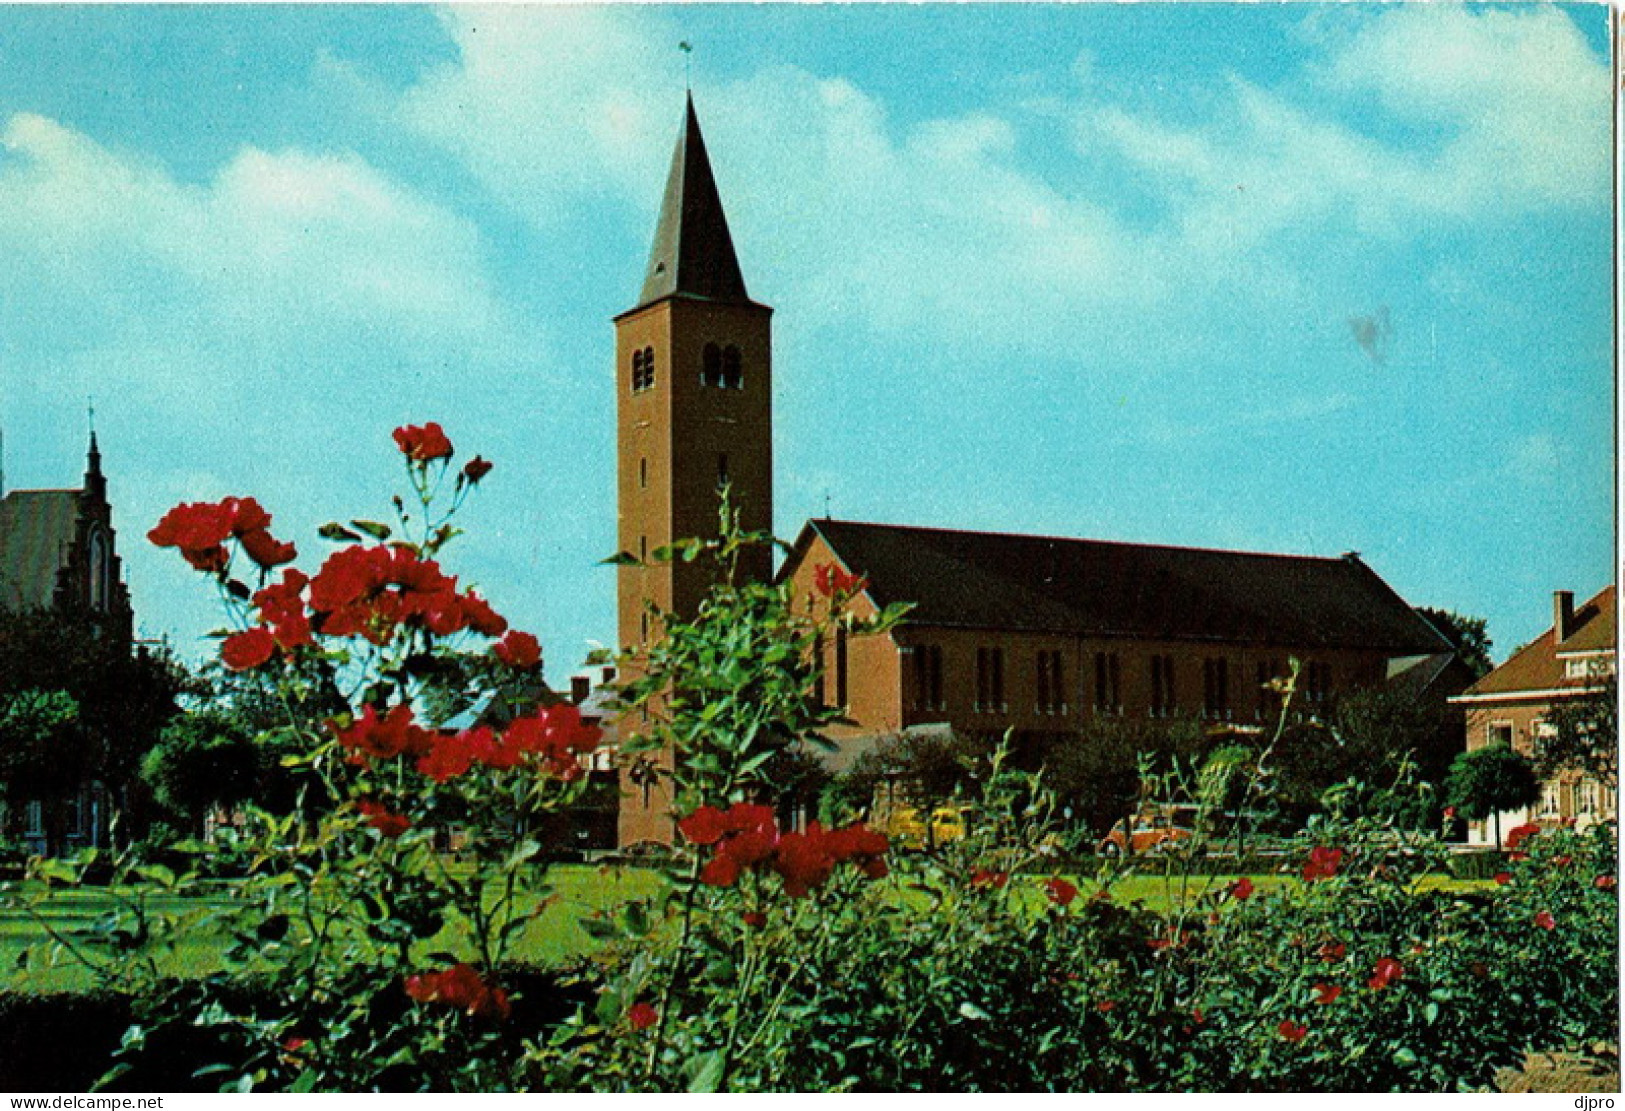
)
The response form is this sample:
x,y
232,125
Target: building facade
x,y
1513,704
58,556
1042,635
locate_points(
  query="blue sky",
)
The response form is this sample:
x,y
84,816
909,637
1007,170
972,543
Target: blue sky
x,y
1292,278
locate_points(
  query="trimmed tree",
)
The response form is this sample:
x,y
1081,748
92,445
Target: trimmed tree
x,y
1488,780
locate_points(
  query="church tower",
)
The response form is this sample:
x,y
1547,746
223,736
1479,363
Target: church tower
x,y
693,389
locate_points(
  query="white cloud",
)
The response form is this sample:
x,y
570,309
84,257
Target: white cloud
x,y
289,261
1505,112
547,105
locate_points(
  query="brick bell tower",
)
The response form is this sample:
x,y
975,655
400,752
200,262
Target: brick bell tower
x,y
693,390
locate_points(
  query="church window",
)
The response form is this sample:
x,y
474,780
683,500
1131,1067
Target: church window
x,y
1051,684
98,571
711,366
1163,699
1269,700
1108,683
840,666
1216,688
733,378
1319,686
928,677
722,468
990,680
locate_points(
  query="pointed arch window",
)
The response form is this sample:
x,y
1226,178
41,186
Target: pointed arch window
x,y
733,378
711,365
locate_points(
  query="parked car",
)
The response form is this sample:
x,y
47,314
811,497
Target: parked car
x,y
905,828
1151,831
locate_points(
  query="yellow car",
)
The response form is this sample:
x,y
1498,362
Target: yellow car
x,y
906,830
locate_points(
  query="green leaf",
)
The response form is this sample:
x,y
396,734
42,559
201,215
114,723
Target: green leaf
x,y
156,873
973,1012
304,1082
373,529
238,590
705,1071
335,531
620,559
1404,1057
1431,1013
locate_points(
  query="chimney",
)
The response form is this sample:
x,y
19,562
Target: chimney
x,y
1562,614
580,687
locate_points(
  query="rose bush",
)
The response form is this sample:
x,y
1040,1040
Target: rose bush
x,y
374,932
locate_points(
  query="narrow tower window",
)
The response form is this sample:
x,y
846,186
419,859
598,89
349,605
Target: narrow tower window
x,y
648,368
732,377
722,469
711,366
643,474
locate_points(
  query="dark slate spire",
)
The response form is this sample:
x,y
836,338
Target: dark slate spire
x,y
693,253
94,482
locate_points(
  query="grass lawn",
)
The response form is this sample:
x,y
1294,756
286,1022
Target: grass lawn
x,y
553,936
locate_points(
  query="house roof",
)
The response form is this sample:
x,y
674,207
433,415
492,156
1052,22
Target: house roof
x,y
36,530
693,254
1536,666
1103,588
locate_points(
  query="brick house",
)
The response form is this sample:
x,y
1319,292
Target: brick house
x,y
1511,705
1041,634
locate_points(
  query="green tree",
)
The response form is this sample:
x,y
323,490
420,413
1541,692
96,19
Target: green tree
x,y
1584,736
1100,771
923,769
124,696
1491,779
1469,636
45,752
212,758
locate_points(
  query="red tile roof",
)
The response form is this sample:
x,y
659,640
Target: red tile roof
x,y
1537,667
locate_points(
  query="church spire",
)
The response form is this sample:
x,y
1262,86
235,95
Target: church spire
x,y
94,481
693,253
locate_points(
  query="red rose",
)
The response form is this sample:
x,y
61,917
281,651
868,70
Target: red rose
x,y
755,919
1242,889
379,818
423,444
832,582
1519,834
1387,971
984,878
1332,951
248,649
372,737
266,550
1322,864
1291,1031
1604,883
1326,993
518,650
450,755
476,469
706,826
1503,878
1545,920
461,987
1060,892
642,1016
